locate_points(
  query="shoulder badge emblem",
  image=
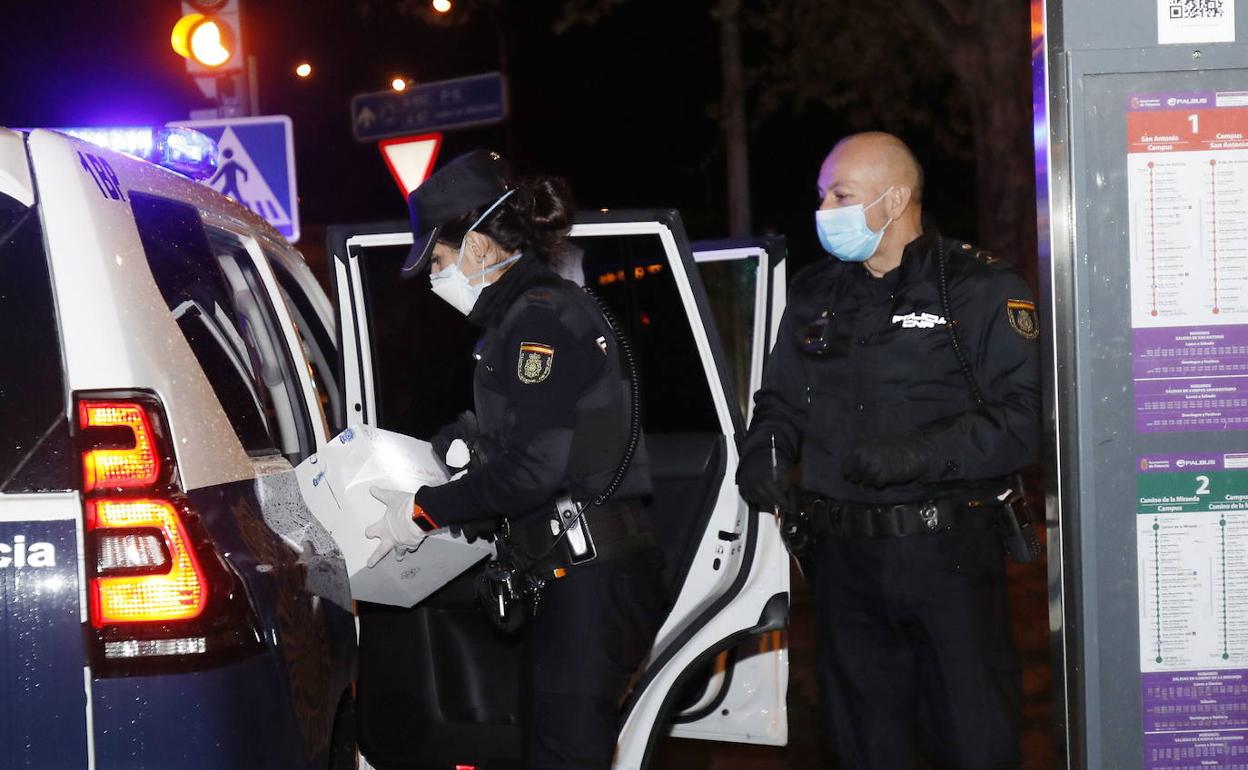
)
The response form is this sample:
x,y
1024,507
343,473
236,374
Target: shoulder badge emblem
x,y
536,360
1022,317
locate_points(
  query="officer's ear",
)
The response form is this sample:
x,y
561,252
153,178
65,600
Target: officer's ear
x,y
476,246
897,199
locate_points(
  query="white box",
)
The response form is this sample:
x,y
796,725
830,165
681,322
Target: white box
x,y
335,485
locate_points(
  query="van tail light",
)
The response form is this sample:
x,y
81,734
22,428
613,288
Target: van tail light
x,y
133,464
161,596
145,568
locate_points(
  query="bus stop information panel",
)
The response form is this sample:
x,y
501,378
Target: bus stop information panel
x,y
1160,303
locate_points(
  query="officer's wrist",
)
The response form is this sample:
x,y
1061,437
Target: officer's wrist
x,y
422,519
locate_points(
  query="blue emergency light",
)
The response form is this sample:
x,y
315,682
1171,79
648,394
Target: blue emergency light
x,y
183,150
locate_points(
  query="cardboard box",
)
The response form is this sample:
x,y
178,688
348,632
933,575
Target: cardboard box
x,y
335,485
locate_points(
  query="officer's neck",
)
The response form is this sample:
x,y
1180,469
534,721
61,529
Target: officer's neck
x,y
887,257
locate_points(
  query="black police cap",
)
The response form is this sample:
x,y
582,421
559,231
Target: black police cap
x,y
467,183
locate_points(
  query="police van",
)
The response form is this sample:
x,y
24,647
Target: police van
x,y
168,600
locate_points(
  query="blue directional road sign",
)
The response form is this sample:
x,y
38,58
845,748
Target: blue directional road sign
x,y
257,166
440,106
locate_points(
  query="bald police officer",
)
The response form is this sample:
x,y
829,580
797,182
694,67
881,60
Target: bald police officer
x,y
908,418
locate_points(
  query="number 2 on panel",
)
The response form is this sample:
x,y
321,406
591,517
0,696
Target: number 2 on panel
x,y
1203,487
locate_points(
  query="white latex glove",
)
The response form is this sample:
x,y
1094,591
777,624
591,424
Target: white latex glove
x,y
395,529
458,456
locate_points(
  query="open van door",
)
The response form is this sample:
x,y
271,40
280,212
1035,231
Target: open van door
x,y
444,691
744,695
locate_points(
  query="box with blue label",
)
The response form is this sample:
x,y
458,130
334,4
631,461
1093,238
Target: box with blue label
x,y
335,484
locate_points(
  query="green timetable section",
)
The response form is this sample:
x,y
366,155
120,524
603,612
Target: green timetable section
x,y
1192,483
1192,492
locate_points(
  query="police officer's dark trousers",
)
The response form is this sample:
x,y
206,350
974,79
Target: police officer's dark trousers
x,y
914,649
592,630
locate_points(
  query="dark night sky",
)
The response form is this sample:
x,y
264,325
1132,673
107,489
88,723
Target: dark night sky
x,y
621,108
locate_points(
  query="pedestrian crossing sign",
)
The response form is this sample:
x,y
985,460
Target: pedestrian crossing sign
x,y
256,167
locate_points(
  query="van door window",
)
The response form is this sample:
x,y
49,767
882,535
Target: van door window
x,y
317,342
421,347
212,288
631,273
732,287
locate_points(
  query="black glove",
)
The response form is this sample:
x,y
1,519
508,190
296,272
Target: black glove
x,y
760,484
888,460
477,528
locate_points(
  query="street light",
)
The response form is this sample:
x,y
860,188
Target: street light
x,y
442,6
303,70
399,84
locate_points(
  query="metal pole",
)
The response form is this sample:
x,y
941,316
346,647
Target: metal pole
x,y
253,86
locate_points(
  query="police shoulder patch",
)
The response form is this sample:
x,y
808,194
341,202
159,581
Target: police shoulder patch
x,y
535,362
1021,314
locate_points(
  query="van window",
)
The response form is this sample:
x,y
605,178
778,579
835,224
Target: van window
x,y
319,348
631,273
421,347
731,286
216,296
35,454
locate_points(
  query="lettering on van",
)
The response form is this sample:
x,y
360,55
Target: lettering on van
x,y
19,554
103,175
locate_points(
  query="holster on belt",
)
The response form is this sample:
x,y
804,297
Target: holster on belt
x,y
537,550
1017,532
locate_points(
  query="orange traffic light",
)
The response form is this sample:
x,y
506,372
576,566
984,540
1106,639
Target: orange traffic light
x,y
206,40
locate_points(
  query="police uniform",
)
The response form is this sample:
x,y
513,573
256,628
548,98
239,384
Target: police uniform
x,y
553,407
913,631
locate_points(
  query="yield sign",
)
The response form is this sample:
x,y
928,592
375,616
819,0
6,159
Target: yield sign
x,y
410,159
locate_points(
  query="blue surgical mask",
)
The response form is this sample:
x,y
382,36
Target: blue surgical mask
x,y
456,288
844,233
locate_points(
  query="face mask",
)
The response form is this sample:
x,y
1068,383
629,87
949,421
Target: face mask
x,y
455,288
844,233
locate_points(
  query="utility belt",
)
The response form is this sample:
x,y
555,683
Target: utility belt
x,y
834,518
601,533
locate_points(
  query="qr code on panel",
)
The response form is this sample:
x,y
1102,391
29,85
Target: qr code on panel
x,y
1197,9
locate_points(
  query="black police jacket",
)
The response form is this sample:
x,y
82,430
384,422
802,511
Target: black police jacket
x,y
860,357
552,403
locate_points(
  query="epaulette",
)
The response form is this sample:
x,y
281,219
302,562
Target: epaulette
x,y
982,255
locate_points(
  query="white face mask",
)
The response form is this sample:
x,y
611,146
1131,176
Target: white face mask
x,y
453,286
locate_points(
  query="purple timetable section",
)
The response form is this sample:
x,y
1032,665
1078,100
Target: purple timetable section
x,y
1195,719
1190,378
1196,751
1195,700
1191,405
1190,352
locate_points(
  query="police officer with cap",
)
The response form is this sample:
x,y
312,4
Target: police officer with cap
x,y
905,381
557,456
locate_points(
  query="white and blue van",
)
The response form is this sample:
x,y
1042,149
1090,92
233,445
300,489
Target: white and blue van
x,y
167,599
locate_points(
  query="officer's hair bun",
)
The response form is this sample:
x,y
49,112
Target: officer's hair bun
x,y
552,203
536,217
